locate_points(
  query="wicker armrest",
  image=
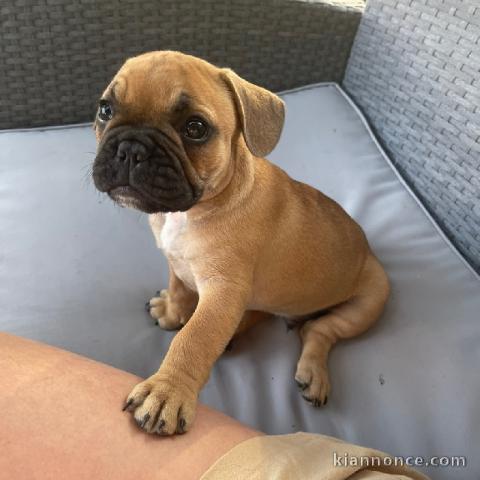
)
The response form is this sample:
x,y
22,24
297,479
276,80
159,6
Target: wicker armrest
x,y
415,70
56,56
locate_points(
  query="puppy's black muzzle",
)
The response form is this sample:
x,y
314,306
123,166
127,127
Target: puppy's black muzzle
x,y
146,169
132,152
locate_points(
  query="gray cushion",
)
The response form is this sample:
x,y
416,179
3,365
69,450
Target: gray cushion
x,y
76,271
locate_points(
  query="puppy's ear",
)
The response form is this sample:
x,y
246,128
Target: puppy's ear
x,y
261,113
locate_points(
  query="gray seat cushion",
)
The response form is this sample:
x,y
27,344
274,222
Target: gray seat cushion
x,y
76,271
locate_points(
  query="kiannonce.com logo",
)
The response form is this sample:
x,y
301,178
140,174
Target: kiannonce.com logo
x,y
347,460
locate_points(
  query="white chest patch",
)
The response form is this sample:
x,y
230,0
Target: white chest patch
x,y
173,231
173,242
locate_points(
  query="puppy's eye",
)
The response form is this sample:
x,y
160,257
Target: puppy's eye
x,y
105,111
196,129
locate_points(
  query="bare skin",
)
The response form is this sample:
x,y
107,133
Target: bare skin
x,y
62,418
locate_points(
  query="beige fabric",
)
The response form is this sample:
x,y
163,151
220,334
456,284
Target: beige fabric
x,y
304,456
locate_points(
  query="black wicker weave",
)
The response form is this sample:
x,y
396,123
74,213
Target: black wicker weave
x,y
415,71
56,56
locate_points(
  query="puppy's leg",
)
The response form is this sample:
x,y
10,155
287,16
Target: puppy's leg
x,y
173,308
343,321
249,319
165,403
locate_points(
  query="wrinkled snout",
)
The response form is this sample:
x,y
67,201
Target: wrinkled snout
x,y
115,167
144,169
132,152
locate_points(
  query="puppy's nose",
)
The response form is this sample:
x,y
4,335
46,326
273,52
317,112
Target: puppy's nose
x,y
132,152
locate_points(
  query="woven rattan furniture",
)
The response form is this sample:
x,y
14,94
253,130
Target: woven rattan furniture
x,y
415,71
56,56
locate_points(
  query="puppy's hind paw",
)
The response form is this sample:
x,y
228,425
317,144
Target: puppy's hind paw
x,y
312,379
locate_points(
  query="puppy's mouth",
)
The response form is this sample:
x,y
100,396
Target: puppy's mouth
x,y
145,169
129,197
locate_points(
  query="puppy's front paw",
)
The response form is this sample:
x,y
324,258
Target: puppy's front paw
x,y
162,309
162,405
312,379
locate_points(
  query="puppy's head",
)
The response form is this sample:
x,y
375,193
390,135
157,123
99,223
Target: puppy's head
x,y
168,126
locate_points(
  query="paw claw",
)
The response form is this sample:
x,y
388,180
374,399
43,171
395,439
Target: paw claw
x,y
301,384
181,426
143,421
127,404
161,424
313,401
